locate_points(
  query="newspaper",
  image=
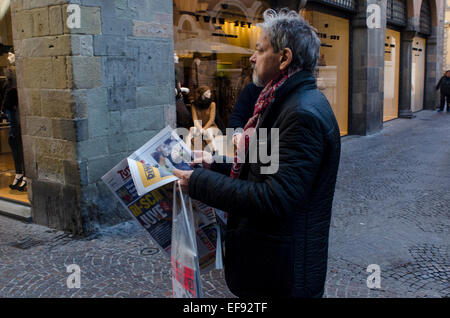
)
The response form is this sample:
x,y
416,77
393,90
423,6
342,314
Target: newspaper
x,y
143,185
152,165
152,210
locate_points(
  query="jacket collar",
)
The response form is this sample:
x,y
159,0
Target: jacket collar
x,y
302,80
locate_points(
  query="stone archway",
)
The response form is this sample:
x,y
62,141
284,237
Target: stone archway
x,y
434,51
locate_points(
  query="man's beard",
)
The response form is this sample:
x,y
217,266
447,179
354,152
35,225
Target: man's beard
x,y
256,80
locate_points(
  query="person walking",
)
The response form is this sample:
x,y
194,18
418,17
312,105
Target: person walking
x,y
278,221
444,86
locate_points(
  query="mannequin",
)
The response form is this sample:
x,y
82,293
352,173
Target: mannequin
x,y
183,114
12,58
203,116
10,105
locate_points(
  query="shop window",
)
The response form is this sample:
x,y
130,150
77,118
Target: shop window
x,y
418,73
333,69
213,43
7,70
391,74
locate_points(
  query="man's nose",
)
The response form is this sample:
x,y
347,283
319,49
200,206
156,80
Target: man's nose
x,y
253,58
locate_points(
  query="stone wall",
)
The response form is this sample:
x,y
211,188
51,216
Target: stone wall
x,y
446,63
133,98
88,98
366,112
435,55
49,114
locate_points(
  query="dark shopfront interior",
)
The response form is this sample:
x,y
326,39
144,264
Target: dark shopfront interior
x,y
7,167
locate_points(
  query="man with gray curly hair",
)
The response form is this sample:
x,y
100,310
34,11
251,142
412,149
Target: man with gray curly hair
x,y
278,222
287,33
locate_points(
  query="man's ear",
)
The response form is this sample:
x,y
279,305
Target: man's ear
x,y
285,58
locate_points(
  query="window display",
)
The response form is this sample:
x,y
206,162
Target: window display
x,y
418,74
391,74
13,182
214,41
333,70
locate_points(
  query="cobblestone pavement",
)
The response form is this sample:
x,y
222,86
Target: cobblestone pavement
x,y
391,208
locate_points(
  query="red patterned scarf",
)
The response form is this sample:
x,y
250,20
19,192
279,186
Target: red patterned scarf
x,y
265,98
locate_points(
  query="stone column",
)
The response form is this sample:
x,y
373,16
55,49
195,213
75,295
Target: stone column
x,y
89,97
434,62
49,115
405,85
366,113
133,100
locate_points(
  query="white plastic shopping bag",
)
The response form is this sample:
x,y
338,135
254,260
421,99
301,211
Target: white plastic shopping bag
x,y
186,282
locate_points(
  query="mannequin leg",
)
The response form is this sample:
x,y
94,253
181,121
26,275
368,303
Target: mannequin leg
x,y
210,136
17,153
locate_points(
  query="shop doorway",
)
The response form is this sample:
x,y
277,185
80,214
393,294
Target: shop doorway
x,y
333,69
7,70
418,74
391,74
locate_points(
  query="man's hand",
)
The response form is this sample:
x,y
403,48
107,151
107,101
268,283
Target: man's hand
x,y
202,157
184,179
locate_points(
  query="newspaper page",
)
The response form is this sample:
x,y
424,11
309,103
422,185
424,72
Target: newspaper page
x,y
152,165
143,184
152,210
206,231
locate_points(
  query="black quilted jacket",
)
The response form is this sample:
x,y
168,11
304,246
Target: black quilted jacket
x,y
278,226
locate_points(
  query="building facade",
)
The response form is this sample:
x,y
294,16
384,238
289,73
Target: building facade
x,y
447,37
92,93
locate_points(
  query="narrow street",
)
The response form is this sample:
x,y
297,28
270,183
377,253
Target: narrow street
x,y
391,208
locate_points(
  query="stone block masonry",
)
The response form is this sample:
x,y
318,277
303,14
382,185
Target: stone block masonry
x,y
89,97
366,115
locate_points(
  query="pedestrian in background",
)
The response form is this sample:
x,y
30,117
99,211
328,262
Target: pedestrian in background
x,y
243,109
278,223
444,86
